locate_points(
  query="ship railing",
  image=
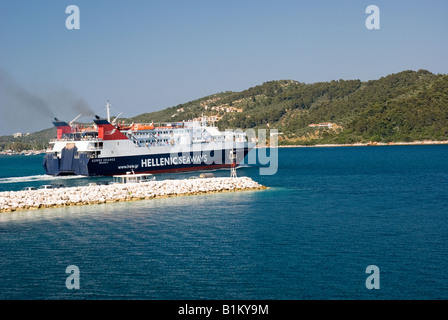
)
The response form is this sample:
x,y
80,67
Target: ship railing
x,y
81,139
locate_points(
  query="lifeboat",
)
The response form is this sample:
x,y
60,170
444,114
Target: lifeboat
x,y
123,127
138,126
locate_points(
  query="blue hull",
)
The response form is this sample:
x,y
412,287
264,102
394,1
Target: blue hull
x,y
72,163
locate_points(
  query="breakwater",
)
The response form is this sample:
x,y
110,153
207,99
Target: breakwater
x,y
98,194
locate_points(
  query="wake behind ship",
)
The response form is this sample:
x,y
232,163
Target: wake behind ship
x,y
109,149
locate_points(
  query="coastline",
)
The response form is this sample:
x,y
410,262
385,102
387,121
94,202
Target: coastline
x,y
11,201
367,144
424,142
22,153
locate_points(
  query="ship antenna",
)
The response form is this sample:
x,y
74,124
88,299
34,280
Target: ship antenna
x,y
115,120
71,122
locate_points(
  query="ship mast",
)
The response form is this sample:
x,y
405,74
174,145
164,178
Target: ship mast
x,y
108,110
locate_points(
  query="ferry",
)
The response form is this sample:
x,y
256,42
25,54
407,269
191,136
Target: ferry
x,y
108,148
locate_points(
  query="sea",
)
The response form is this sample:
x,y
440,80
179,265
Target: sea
x,y
337,223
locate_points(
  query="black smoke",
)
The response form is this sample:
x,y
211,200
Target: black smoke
x,y
22,110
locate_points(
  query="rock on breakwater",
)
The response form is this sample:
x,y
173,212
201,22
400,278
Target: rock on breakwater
x,y
83,195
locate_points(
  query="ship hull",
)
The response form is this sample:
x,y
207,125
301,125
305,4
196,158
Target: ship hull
x,y
71,163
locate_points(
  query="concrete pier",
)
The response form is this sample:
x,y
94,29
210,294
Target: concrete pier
x,y
97,194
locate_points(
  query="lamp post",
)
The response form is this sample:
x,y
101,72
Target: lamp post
x,y
232,157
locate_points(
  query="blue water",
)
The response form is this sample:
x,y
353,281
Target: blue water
x,y
329,213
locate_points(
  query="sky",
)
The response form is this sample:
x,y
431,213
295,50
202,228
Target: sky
x,y
148,55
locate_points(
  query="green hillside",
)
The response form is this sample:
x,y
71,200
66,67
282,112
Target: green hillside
x,y
34,141
406,106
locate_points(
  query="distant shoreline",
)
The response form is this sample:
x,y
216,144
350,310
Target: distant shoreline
x,y
22,153
368,144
